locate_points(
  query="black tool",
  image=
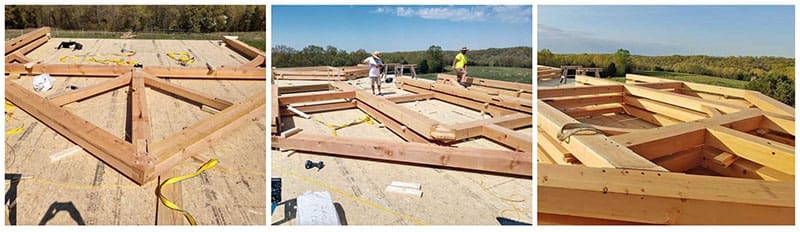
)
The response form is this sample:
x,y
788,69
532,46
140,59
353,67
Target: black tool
x,y
276,190
310,165
137,66
67,44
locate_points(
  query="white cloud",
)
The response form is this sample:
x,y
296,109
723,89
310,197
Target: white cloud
x,y
502,14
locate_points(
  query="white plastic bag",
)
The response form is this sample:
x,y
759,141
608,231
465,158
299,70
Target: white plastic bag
x,y
43,82
316,208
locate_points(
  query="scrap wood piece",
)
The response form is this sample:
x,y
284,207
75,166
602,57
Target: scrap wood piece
x,y
623,194
108,148
488,160
595,150
91,91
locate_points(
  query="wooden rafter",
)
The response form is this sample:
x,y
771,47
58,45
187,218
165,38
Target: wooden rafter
x,y
497,161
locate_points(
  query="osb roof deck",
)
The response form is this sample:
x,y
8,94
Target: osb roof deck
x,y
99,192
706,150
148,52
359,183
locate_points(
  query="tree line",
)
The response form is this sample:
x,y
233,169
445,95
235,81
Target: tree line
x,y
773,76
432,60
732,67
167,18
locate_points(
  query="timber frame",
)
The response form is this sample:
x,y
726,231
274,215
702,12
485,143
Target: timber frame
x,y
140,158
743,139
427,141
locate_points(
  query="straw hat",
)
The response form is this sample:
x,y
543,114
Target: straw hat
x,y
376,54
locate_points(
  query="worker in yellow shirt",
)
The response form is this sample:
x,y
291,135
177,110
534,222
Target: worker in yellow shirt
x,y
460,66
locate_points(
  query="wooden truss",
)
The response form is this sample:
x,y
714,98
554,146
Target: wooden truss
x,y
629,175
140,158
326,73
426,138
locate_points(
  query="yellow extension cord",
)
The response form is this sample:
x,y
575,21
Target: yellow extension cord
x,y
10,115
183,58
364,119
67,59
210,164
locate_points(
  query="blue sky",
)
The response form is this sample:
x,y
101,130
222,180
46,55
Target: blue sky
x,y
402,28
668,30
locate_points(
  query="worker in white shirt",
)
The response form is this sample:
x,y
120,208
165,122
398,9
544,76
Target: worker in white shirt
x,y
375,66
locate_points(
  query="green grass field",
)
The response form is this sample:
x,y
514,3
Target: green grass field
x,y
257,39
521,75
702,79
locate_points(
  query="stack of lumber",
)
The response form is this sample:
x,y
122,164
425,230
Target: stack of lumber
x,y
326,73
547,73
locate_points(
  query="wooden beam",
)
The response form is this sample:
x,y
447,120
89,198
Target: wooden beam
x,y
654,118
664,109
553,148
741,168
71,70
492,83
393,125
475,128
661,141
465,102
555,219
91,91
768,104
594,110
662,197
315,97
316,108
33,45
519,141
552,92
223,73
16,56
303,88
779,123
682,161
484,160
410,97
242,48
683,101
255,62
176,148
275,117
759,150
594,150
185,93
105,146
428,128
14,44
581,101
139,115
519,104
